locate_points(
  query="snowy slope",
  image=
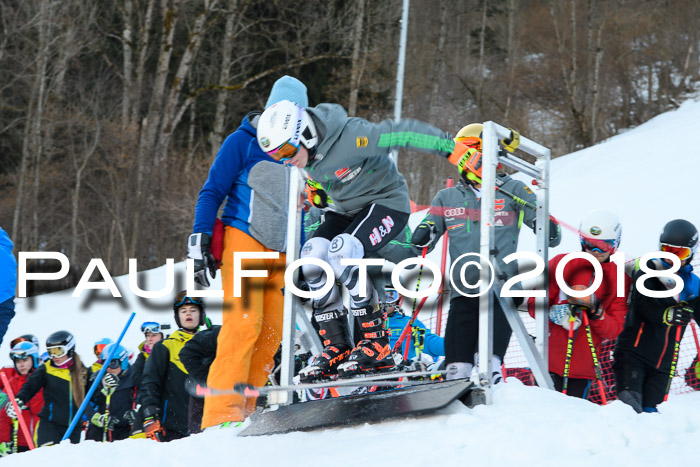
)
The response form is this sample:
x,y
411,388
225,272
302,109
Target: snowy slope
x,y
647,175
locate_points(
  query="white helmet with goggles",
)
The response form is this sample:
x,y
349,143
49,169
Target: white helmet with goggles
x,y
600,231
283,127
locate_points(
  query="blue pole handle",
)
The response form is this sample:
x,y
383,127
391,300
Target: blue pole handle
x,y
98,379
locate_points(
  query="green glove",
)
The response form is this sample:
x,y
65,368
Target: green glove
x,y
98,420
5,449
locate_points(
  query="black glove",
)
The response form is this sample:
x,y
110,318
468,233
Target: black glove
x,y
423,235
113,422
110,380
554,232
677,315
130,416
316,195
198,248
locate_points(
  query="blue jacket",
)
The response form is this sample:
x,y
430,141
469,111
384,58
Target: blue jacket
x,y
433,344
8,268
228,179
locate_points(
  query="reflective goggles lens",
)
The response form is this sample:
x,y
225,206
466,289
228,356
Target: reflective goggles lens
x,y
99,348
600,246
153,328
286,151
114,364
187,301
391,296
58,351
19,355
683,252
471,141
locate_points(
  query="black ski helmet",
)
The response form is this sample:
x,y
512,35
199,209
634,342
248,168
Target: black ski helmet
x,y
61,338
680,232
183,299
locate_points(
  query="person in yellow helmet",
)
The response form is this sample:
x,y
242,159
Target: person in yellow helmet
x,y
458,210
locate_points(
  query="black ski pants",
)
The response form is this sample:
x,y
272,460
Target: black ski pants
x,y
641,379
49,433
576,387
462,330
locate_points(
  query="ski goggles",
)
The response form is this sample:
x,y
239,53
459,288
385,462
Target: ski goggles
x,y
99,348
114,364
284,152
20,355
600,246
471,141
683,252
391,296
151,327
17,340
57,351
186,301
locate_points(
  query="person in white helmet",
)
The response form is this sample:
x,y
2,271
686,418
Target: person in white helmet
x,y
367,205
600,233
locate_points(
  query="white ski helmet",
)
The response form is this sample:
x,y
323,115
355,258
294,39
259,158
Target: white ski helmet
x,y
283,127
600,230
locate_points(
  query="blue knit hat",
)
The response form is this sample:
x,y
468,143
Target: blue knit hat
x,y
289,89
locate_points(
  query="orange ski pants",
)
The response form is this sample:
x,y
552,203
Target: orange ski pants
x,y
251,331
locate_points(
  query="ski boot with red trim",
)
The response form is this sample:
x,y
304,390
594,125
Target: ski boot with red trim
x,y
373,352
335,336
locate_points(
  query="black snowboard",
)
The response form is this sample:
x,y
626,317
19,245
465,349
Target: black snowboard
x,y
357,410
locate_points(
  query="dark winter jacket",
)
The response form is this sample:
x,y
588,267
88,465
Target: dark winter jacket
x,y
139,365
352,161
580,272
645,334
162,390
228,180
59,405
31,416
121,401
199,352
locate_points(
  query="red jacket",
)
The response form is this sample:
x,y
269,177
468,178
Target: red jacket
x,y
580,272
30,416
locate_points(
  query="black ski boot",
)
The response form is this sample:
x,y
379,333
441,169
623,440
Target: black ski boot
x,y
335,336
373,352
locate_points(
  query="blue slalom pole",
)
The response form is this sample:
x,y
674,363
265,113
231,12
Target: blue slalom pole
x,y
98,379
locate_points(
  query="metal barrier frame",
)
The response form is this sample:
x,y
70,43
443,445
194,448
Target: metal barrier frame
x,y
536,353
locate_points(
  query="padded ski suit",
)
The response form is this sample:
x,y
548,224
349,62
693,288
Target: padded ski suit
x,y
580,272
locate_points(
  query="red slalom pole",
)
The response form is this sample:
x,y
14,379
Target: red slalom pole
x,y
20,418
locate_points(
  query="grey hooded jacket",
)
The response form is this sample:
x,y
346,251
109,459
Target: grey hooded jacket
x,y
352,160
458,211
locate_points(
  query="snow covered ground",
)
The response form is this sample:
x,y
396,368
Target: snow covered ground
x,y
524,425
647,175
